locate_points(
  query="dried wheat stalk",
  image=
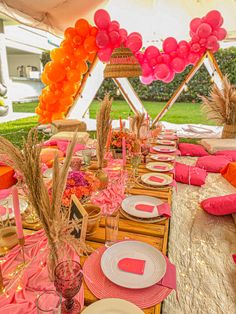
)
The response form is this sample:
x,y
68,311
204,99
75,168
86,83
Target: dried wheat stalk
x,y
220,106
137,123
103,127
55,221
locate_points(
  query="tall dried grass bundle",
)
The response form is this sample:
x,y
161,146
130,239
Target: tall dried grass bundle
x,y
220,106
137,122
56,222
103,127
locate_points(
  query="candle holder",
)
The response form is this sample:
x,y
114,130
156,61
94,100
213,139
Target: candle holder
x,y
20,267
2,288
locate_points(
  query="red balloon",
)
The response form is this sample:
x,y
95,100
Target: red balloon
x,y
211,42
102,19
151,52
169,45
173,54
114,38
105,54
214,18
195,38
193,57
134,43
161,71
166,58
203,41
102,39
183,49
215,47
152,62
140,57
170,77
195,47
114,26
195,23
135,34
123,35
204,30
146,79
221,33
178,65
146,69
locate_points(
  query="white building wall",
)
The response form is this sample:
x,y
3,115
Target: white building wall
x,y
22,89
22,59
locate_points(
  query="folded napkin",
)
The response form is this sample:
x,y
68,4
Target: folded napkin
x,y
160,167
132,265
163,209
156,179
165,150
234,258
4,193
169,279
145,208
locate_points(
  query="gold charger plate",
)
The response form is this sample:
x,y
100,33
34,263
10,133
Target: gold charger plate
x,y
136,219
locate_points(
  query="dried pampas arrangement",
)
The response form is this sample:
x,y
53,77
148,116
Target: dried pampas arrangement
x,y
220,107
103,127
136,123
56,222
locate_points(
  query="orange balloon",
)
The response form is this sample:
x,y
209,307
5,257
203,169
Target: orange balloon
x,y
49,98
93,31
67,47
51,107
58,116
82,66
38,110
65,61
56,72
81,53
82,27
73,63
55,86
66,101
74,76
45,79
69,88
92,57
42,105
69,33
77,40
90,44
57,54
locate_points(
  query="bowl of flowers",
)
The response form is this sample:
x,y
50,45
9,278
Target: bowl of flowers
x,y
116,142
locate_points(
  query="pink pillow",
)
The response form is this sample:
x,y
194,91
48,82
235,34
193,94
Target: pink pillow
x,y
48,154
229,153
189,174
212,163
62,145
193,150
220,205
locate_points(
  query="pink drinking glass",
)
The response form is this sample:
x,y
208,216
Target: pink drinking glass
x,y
68,281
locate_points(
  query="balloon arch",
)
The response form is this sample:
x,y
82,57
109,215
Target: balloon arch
x,y
70,62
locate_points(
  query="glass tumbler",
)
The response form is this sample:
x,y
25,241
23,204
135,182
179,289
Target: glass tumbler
x,y
111,228
49,302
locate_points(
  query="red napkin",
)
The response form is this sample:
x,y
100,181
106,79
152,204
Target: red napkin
x,y
234,258
145,208
156,179
132,265
164,210
164,150
160,167
169,279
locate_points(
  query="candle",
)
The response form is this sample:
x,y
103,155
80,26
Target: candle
x,y
109,139
1,280
124,151
121,125
16,206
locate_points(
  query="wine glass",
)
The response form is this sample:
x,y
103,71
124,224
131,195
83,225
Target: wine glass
x,y
145,149
68,281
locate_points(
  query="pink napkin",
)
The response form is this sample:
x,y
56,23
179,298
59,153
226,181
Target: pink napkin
x,y
164,210
3,210
169,279
132,265
163,158
234,258
145,208
160,167
165,150
156,179
4,193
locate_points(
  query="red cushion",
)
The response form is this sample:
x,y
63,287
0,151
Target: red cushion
x,y
212,163
229,153
189,174
220,205
193,150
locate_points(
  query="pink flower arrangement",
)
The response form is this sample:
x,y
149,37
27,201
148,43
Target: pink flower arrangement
x,y
116,140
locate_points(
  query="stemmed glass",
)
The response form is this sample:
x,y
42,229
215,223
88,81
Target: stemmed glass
x,y
68,281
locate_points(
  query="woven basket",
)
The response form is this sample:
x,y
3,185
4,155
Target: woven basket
x,y
122,64
229,131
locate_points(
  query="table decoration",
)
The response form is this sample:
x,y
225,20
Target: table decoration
x,y
102,287
163,157
68,281
55,222
159,166
94,215
135,160
136,123
164,149
103,127
111,227
49,302
156,179
145,149
1,281
166,142
116,142
124,151
142,220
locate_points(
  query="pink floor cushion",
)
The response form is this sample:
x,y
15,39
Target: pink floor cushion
x,y
229,153
192,150
48,154
189,174
220,205
212,163
63,145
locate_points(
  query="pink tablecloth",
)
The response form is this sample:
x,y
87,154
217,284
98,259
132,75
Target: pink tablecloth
x,y
21,293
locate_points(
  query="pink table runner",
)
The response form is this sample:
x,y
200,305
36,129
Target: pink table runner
x,y
34,279
102,287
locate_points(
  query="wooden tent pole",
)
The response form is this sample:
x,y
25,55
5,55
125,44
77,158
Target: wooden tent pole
x,y
214,62
178,91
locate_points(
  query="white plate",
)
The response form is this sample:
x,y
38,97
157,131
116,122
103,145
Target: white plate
x,y
151,166
167,137
93,151
155,266
129,203
164,149
23,206
48,173
168,132
160,157
167,179
166,142
112,306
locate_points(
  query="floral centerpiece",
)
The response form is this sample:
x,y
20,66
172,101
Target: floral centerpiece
x,y
116,140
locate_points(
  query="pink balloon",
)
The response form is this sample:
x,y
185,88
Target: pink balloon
x,y
115,38
204,30
146,79
221,33
195,47
161,71
214,18
135,34
169,45
178,65
173,54
183,49
195,38
102,39
216,47
193,57
134,43
211,42
102,19
170,77
166,58
203,41
114,26
194,24
146,69
140,57
151,52
152,62
160,59
105,54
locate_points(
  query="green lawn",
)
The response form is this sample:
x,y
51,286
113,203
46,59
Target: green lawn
x,y
179,113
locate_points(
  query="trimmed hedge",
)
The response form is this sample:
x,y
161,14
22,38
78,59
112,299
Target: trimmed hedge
x,y
200,83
